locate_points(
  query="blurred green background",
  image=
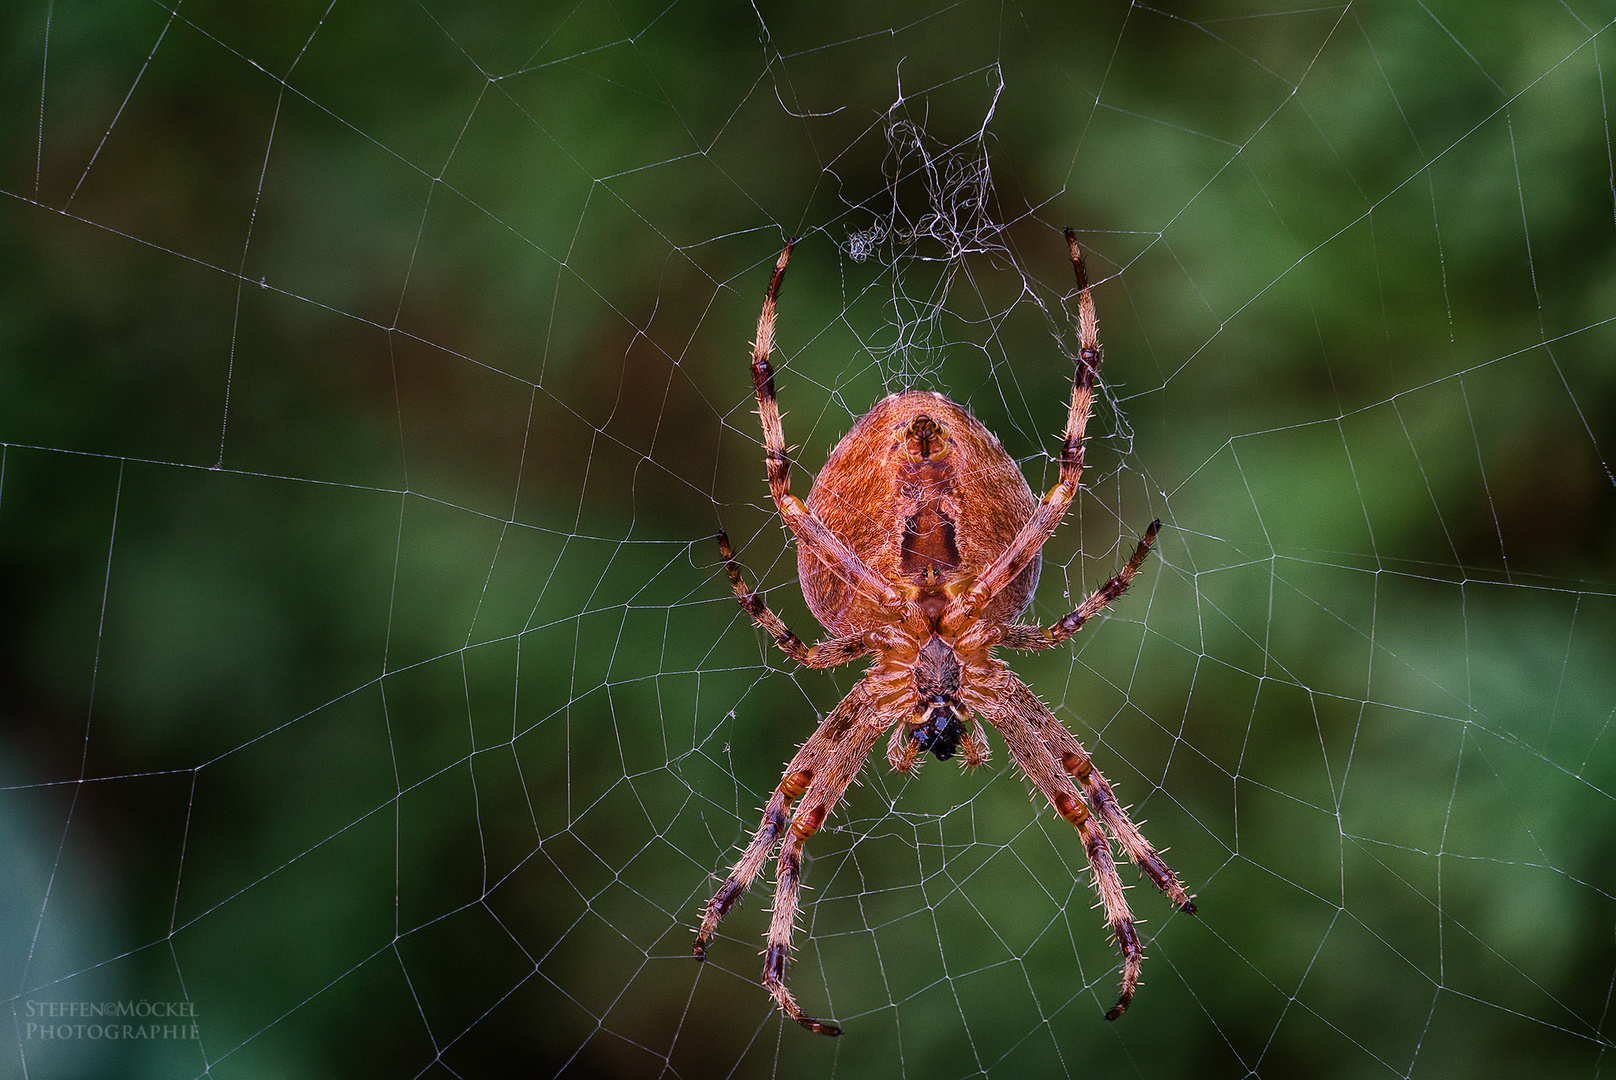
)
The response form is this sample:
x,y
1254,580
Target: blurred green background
x,y
373,383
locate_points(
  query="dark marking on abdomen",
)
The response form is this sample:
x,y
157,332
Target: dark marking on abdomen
x,y
928,542
928,533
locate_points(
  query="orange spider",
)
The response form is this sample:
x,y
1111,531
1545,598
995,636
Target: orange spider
x,y
919,544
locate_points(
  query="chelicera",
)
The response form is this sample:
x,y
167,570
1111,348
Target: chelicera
x,y
919,546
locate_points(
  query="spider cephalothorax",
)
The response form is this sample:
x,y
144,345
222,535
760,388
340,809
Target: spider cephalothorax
x,y
919,544
939,718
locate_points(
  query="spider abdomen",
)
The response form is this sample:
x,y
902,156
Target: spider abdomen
x,y
924,495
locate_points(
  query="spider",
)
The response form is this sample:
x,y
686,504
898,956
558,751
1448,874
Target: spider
x,y
919,544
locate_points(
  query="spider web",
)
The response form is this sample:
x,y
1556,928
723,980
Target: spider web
x,y
373,386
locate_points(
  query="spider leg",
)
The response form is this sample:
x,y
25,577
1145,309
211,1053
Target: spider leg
x,y
799,775
825,654
818,775
1053,759
826,789
1035,638
1075,761
1052,507
810,532
1010,715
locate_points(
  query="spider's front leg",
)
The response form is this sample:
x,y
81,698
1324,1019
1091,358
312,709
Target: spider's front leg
x,y
1055,762
819,774
827,788
1075,762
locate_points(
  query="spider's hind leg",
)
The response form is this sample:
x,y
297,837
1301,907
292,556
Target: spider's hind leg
x,y
811,533
1051,509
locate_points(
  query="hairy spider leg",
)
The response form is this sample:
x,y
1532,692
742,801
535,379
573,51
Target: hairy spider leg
x,y
1012,708
828,786
799,775
819,774
810,532
1035,638
1075,760
825,654
1052,507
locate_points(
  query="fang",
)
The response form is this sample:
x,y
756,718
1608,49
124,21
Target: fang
x,y
940,734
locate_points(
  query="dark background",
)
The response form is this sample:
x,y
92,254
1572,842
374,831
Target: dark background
x,y
373,382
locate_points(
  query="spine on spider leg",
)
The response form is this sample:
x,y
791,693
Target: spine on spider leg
x,y
753,858
1120,919
1088,326
1071,454
1133,959
788,878
1106,594
782,925
753,605
1139,850
1106,884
